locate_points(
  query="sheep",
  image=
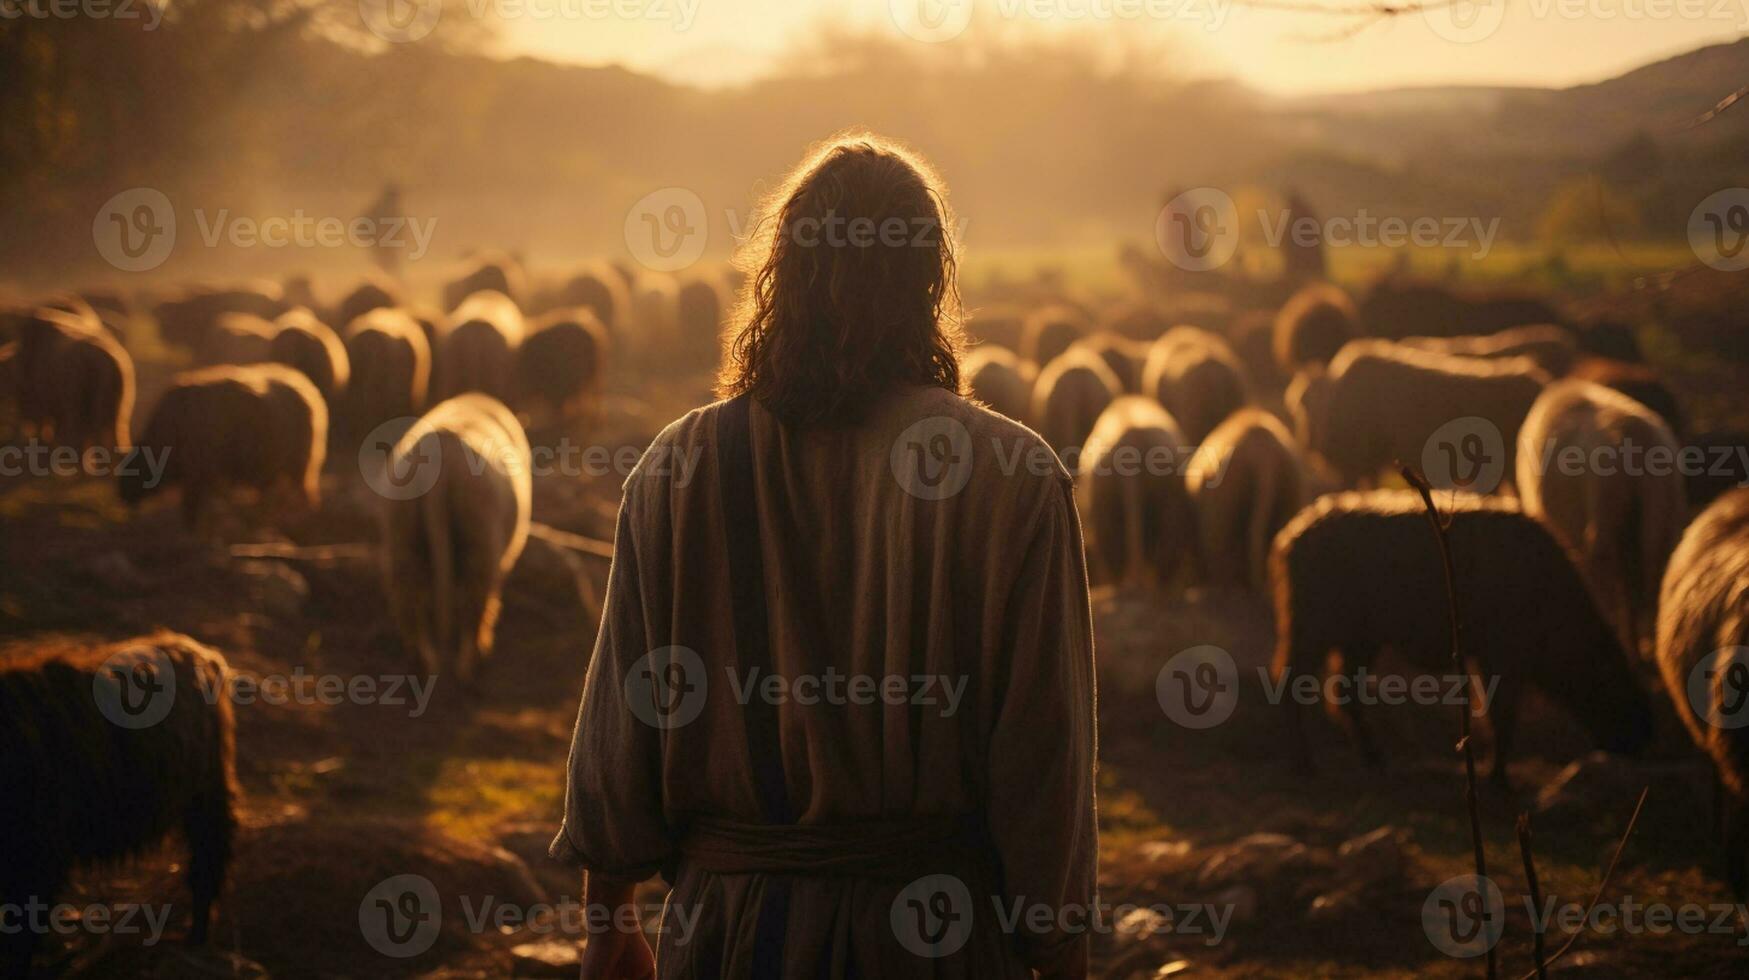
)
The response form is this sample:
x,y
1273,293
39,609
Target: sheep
x,y
1131,487
1398,307
1552,347
376,292
306,343
391,370
1358,573
1381,402
1718,460
447,550
1124,356
1001,326
238,338
999,379
262,427
89,780
1139,321
1246,482
74,384
1312,326
602,290
656,311
496,271
1067,399
478,350
700,306
1049,331
1703,625
1637,381
187,319
560,364
1197,377
1589,466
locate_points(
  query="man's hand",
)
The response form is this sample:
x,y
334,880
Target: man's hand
x,y
617,949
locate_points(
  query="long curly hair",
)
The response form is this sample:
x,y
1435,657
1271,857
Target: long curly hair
x,y
851,287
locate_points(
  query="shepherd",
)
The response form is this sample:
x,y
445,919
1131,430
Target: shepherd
x,y
842,697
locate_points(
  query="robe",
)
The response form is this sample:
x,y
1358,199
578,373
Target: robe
x,y
932,651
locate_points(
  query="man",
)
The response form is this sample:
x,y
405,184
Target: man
x,y
842,697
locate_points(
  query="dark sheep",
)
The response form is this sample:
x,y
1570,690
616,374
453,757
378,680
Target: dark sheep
x,y
1640,382
1247,482
1142,531
80,788
1124,356
376,292
391,371
1358,573
1704,614
477,352
1312,326
262,427
306,343
187,319
1048,332
1197,377
559,366
1551,347
1067,399
74,384
602,290
997,377
700,308
448,550
1721,464
239,338
1401,307
495,271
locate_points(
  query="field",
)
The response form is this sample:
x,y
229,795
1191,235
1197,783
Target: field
x,y
466,787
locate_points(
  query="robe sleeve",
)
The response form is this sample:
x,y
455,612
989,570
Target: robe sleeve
x,y
614,823
1042,750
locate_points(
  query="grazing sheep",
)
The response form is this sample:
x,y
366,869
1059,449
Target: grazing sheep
x,y
187,319
376,292
488,270
1001,326
478,350
1360,573
1400,307
262,427
1067,399
239,338
1145,322
1718,462
1381,402
700,306
603,291
1246,483
1141,527
391,369
1253,340
999,379
82,787
1197,377
1048,332
74,384
1312,326
1601,469
656,311
306,343
559,365
1703,616
1637,381
1551,347
449,549
1124,356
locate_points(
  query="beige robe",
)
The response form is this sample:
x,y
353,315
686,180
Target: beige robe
x,y
871,568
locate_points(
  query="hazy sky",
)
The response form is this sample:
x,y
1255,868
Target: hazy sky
x,y
1542,42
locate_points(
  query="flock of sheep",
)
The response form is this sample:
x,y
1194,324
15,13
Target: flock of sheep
x,y
1276,429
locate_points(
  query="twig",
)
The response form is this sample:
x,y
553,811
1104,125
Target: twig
x,y
1416,480
1601,886
572,542
1536,897
1723,104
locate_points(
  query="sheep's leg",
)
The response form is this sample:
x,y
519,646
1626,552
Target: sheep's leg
x,y
209,827
1355,663
1737,846
1503,721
